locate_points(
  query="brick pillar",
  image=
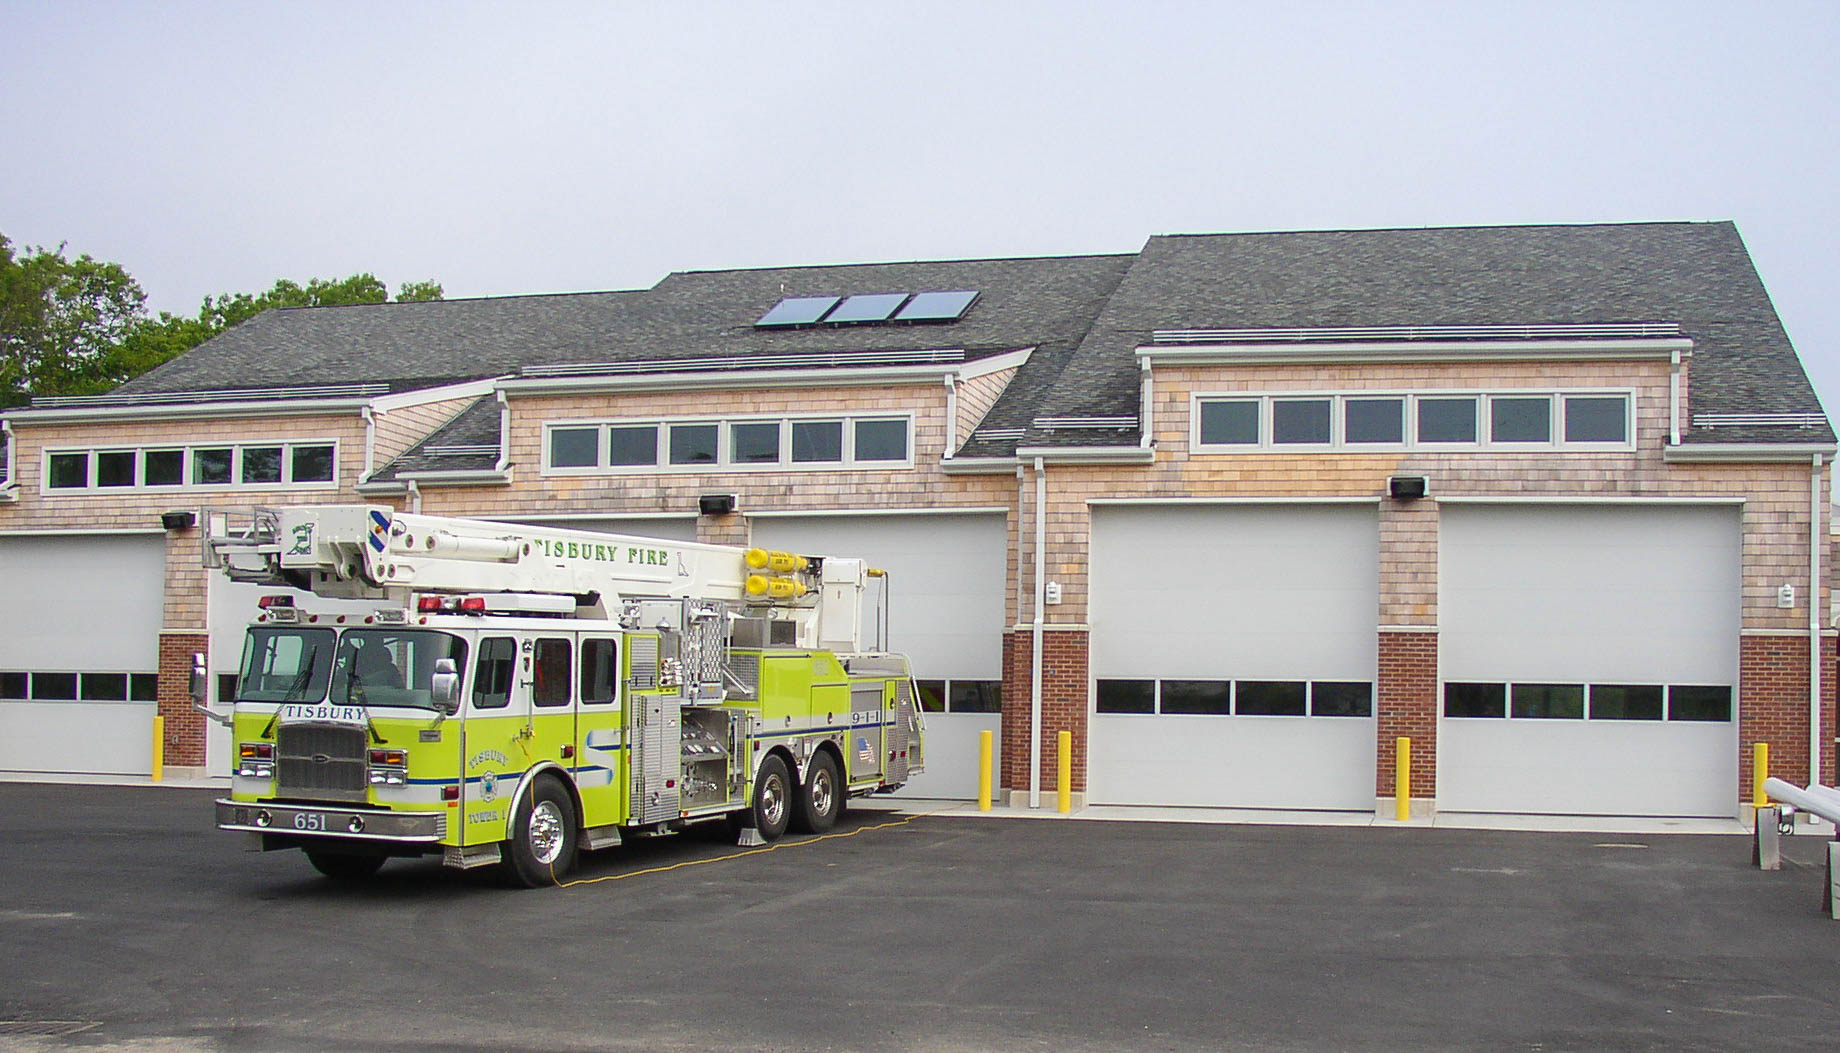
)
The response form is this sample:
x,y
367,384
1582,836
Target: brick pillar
x,y
185,727
732,529
1407,704
1773,707
1063,706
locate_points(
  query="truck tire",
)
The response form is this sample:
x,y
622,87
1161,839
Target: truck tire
x,y
344,866
772,798
541,849
819,799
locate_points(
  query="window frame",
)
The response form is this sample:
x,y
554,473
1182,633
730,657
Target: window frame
x,y
1412,399
188,466
725,437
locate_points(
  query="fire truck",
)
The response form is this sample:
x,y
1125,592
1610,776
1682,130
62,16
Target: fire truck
x,y
508,696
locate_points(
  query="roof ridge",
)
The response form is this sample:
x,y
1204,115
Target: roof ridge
x,y
1041,257
1453,227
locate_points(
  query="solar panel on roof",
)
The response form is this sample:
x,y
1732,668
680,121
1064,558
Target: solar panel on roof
x,y
937,306
798,310
867,307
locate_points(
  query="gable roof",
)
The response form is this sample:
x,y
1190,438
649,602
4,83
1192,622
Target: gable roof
x,y
1084,316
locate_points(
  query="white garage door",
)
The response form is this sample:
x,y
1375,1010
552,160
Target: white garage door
x,y
1590,659
1234,656
79,651
946,576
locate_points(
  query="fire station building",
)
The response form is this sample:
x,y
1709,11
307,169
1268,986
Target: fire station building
x,y
1237,511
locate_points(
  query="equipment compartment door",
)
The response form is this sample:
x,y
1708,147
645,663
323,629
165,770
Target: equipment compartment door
x,y
866,723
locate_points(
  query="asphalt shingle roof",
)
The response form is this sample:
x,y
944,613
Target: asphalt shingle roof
x,y
1083,315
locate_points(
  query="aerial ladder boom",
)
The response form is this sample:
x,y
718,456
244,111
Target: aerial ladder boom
x,y
374,552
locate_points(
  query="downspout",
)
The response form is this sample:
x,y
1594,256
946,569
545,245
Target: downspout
x,y
1814,622
370,442
504,433
1041,577
415,498
12,443
951,415
1145,408
1674,399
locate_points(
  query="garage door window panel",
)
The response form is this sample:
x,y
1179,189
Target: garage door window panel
x,y
1196,697
1126,696
104,687
1475,700
1547,701
1341,699
1701,703
13,686
54,687
1626,701
1270,698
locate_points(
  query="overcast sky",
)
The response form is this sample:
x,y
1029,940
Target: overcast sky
x,y
547,147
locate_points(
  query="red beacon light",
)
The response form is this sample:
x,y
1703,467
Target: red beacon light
x,y
451,605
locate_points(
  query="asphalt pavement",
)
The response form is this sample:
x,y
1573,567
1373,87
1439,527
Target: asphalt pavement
x,y
128,923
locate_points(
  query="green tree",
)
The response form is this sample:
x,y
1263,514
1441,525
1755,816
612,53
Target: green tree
x,y
79,327
61,321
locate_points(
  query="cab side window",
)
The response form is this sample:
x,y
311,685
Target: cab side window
x,y
600,671
552,673
494,673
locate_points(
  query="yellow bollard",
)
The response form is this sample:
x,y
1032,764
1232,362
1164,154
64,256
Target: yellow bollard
x,y
159,747
984,751
1760,770
1402,778
1065,801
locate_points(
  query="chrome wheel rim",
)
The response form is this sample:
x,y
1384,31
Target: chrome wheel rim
x,y
546,833
773,800
821,792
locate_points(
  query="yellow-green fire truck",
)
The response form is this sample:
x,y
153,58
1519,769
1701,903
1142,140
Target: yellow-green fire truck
x,y
516,694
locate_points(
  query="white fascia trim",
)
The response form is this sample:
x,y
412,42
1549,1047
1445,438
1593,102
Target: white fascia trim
x,y
723,380
983,367
194,411
389,486
470,389
456,477
800,513
1754,452
108,532
979,465
1088,454
1585,499
1191,501
1396,351
516,519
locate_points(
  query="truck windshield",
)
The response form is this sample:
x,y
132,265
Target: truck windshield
x,y
391,667
285,665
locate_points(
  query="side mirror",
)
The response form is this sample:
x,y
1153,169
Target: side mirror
x,y
445,688
200,682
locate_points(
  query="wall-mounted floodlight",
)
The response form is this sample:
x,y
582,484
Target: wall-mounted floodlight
x,y
1406,487
716,504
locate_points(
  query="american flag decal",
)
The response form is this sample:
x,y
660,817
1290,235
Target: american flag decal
x,y
864,752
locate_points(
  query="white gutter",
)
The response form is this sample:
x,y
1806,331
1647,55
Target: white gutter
x,y
1674,400
729,379
193,410
951,415
1753,452
1415,351
980,465
1088,454
1814,621
1035,663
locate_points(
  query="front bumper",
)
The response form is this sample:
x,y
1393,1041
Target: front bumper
x,y
369,824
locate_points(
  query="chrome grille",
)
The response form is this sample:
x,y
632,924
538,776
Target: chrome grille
x,y
320,760
643,652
